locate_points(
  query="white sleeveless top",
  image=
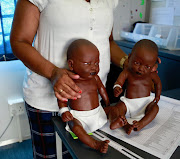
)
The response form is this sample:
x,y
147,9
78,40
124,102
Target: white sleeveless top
x,y
61,22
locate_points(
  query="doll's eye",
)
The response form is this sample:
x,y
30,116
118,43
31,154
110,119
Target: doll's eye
x,y
148,67
136,63
97,63
87,63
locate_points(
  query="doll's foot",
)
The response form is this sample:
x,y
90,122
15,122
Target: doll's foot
x,y
102,146
118,122
138,125
128,128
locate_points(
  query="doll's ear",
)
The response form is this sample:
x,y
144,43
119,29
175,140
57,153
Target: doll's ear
x,y
70,64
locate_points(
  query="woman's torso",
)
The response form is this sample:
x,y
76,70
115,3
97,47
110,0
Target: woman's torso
x,y
61,22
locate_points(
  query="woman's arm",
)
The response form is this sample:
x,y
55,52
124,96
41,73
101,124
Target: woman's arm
x,y
24,28
116,53
25,24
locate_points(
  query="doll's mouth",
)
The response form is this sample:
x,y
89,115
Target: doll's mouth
x,y
138,73
93,73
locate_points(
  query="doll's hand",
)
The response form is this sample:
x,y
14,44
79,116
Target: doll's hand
x,y
66,116
156,99
117,91
63,85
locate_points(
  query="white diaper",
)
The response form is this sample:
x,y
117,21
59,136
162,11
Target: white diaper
x,y
91,120
136,107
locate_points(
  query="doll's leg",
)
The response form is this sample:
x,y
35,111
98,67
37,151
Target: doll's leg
x,y
77,128
117,115
150,113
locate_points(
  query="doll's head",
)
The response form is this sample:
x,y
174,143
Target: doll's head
x,y
143,57
83,58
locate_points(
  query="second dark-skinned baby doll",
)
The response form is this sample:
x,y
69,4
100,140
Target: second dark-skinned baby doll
x,y
137,102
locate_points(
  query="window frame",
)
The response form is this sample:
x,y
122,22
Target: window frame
x,y
5,55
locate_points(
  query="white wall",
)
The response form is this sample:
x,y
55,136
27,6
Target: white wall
x,y
127,12
11,80
164,4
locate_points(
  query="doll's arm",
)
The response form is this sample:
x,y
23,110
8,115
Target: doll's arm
x,y
64,111
102,90
158,86
120,82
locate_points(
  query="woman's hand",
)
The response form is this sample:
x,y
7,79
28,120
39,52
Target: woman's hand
x,y
125,65
63,84
156,65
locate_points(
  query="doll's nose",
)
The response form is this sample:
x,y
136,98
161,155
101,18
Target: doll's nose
x,y
93,66
141,68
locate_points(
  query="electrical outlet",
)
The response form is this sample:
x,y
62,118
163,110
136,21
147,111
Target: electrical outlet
x,y
16,107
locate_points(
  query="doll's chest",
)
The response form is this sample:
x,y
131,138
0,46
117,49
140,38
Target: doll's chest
x,y
87,86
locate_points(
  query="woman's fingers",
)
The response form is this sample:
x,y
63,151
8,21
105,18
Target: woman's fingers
x,y
70,85
68,96
64,87
154,69
67,88
159,60
58,96
72,75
